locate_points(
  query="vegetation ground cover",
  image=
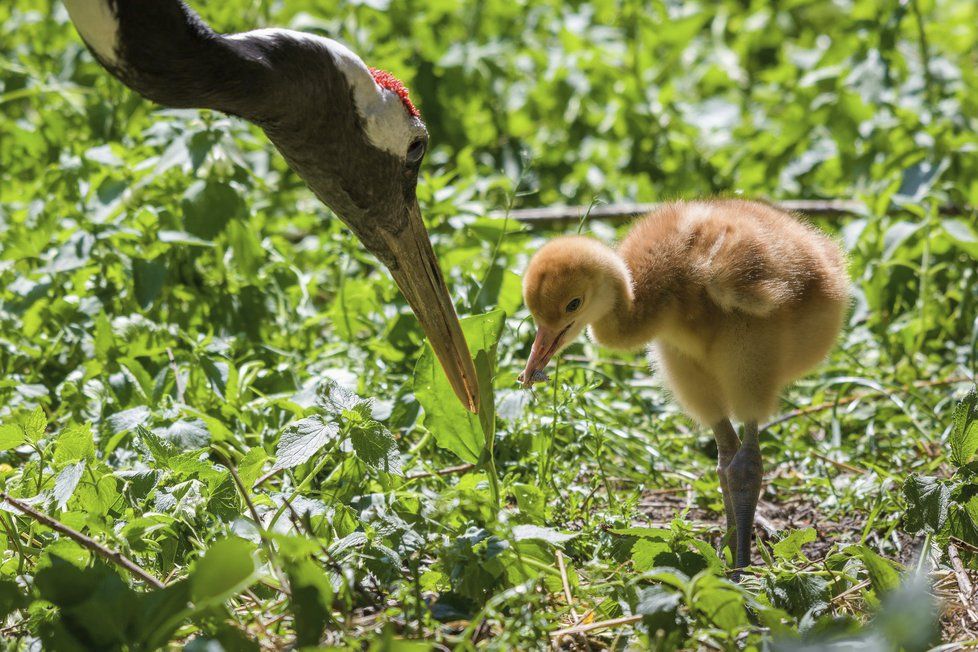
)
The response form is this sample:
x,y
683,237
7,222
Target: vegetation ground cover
x,y
202,370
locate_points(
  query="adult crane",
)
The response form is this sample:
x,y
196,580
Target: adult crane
x,y
351,132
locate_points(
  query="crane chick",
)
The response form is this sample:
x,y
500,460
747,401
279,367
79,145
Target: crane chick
x,y
735,299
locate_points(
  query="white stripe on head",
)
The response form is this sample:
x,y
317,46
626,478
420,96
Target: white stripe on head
x,y
97,25
387,123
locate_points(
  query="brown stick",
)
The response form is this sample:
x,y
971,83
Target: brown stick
x,y
451,470
112,555
604,624
619,212
567,595
852,589
964,582
841,465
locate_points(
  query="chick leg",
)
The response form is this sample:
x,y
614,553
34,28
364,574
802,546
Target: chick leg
x,y
744,479
727,445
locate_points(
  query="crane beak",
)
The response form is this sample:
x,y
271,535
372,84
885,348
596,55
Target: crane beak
x,y
419,278
545,345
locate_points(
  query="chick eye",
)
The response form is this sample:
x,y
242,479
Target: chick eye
x,y
574,305
415,151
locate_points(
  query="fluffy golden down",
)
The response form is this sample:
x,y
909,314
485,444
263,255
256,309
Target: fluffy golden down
x,y
736,299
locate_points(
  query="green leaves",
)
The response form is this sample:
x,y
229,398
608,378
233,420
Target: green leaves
x,y
927,503
454,427
964,429
226,569
74,443
789,547
375,445
882,574
302,440
208,206
11,436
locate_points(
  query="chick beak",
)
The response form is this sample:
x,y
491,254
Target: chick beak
x,y
419,278
546,343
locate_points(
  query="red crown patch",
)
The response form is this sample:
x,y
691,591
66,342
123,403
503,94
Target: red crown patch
x,y
386,80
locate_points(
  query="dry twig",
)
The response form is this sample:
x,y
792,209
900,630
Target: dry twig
x,y
114,556
590,627
451,470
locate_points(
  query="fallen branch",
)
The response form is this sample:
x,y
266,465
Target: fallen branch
x,y
567,596
965,588
112,555
590,627
556,215
841,465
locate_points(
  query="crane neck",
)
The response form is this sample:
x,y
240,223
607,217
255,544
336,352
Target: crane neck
x,y
640,303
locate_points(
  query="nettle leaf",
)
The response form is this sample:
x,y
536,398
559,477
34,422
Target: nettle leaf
x,y
789,547
927,503
225,570
964,429
312,597
883,575
66,483
335,399
148,278
302,440
250,466
208,206
376,447
797,593
159,448
128,419
452,425
35,425
74,443
11,436
646,551
719,601
658,607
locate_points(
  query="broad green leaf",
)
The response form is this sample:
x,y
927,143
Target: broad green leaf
x,y
11,597
719,602
376,447
927,503
454,427
789,547
882,574
74,443
66,482
148,278
312,597
964,429
129,419
658,607
35,425
159,448
159,613
797,593
302,440
227,568
250,466
645,551
208,207
11,436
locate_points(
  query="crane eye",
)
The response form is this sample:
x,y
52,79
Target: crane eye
x,y
574,304
415,151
